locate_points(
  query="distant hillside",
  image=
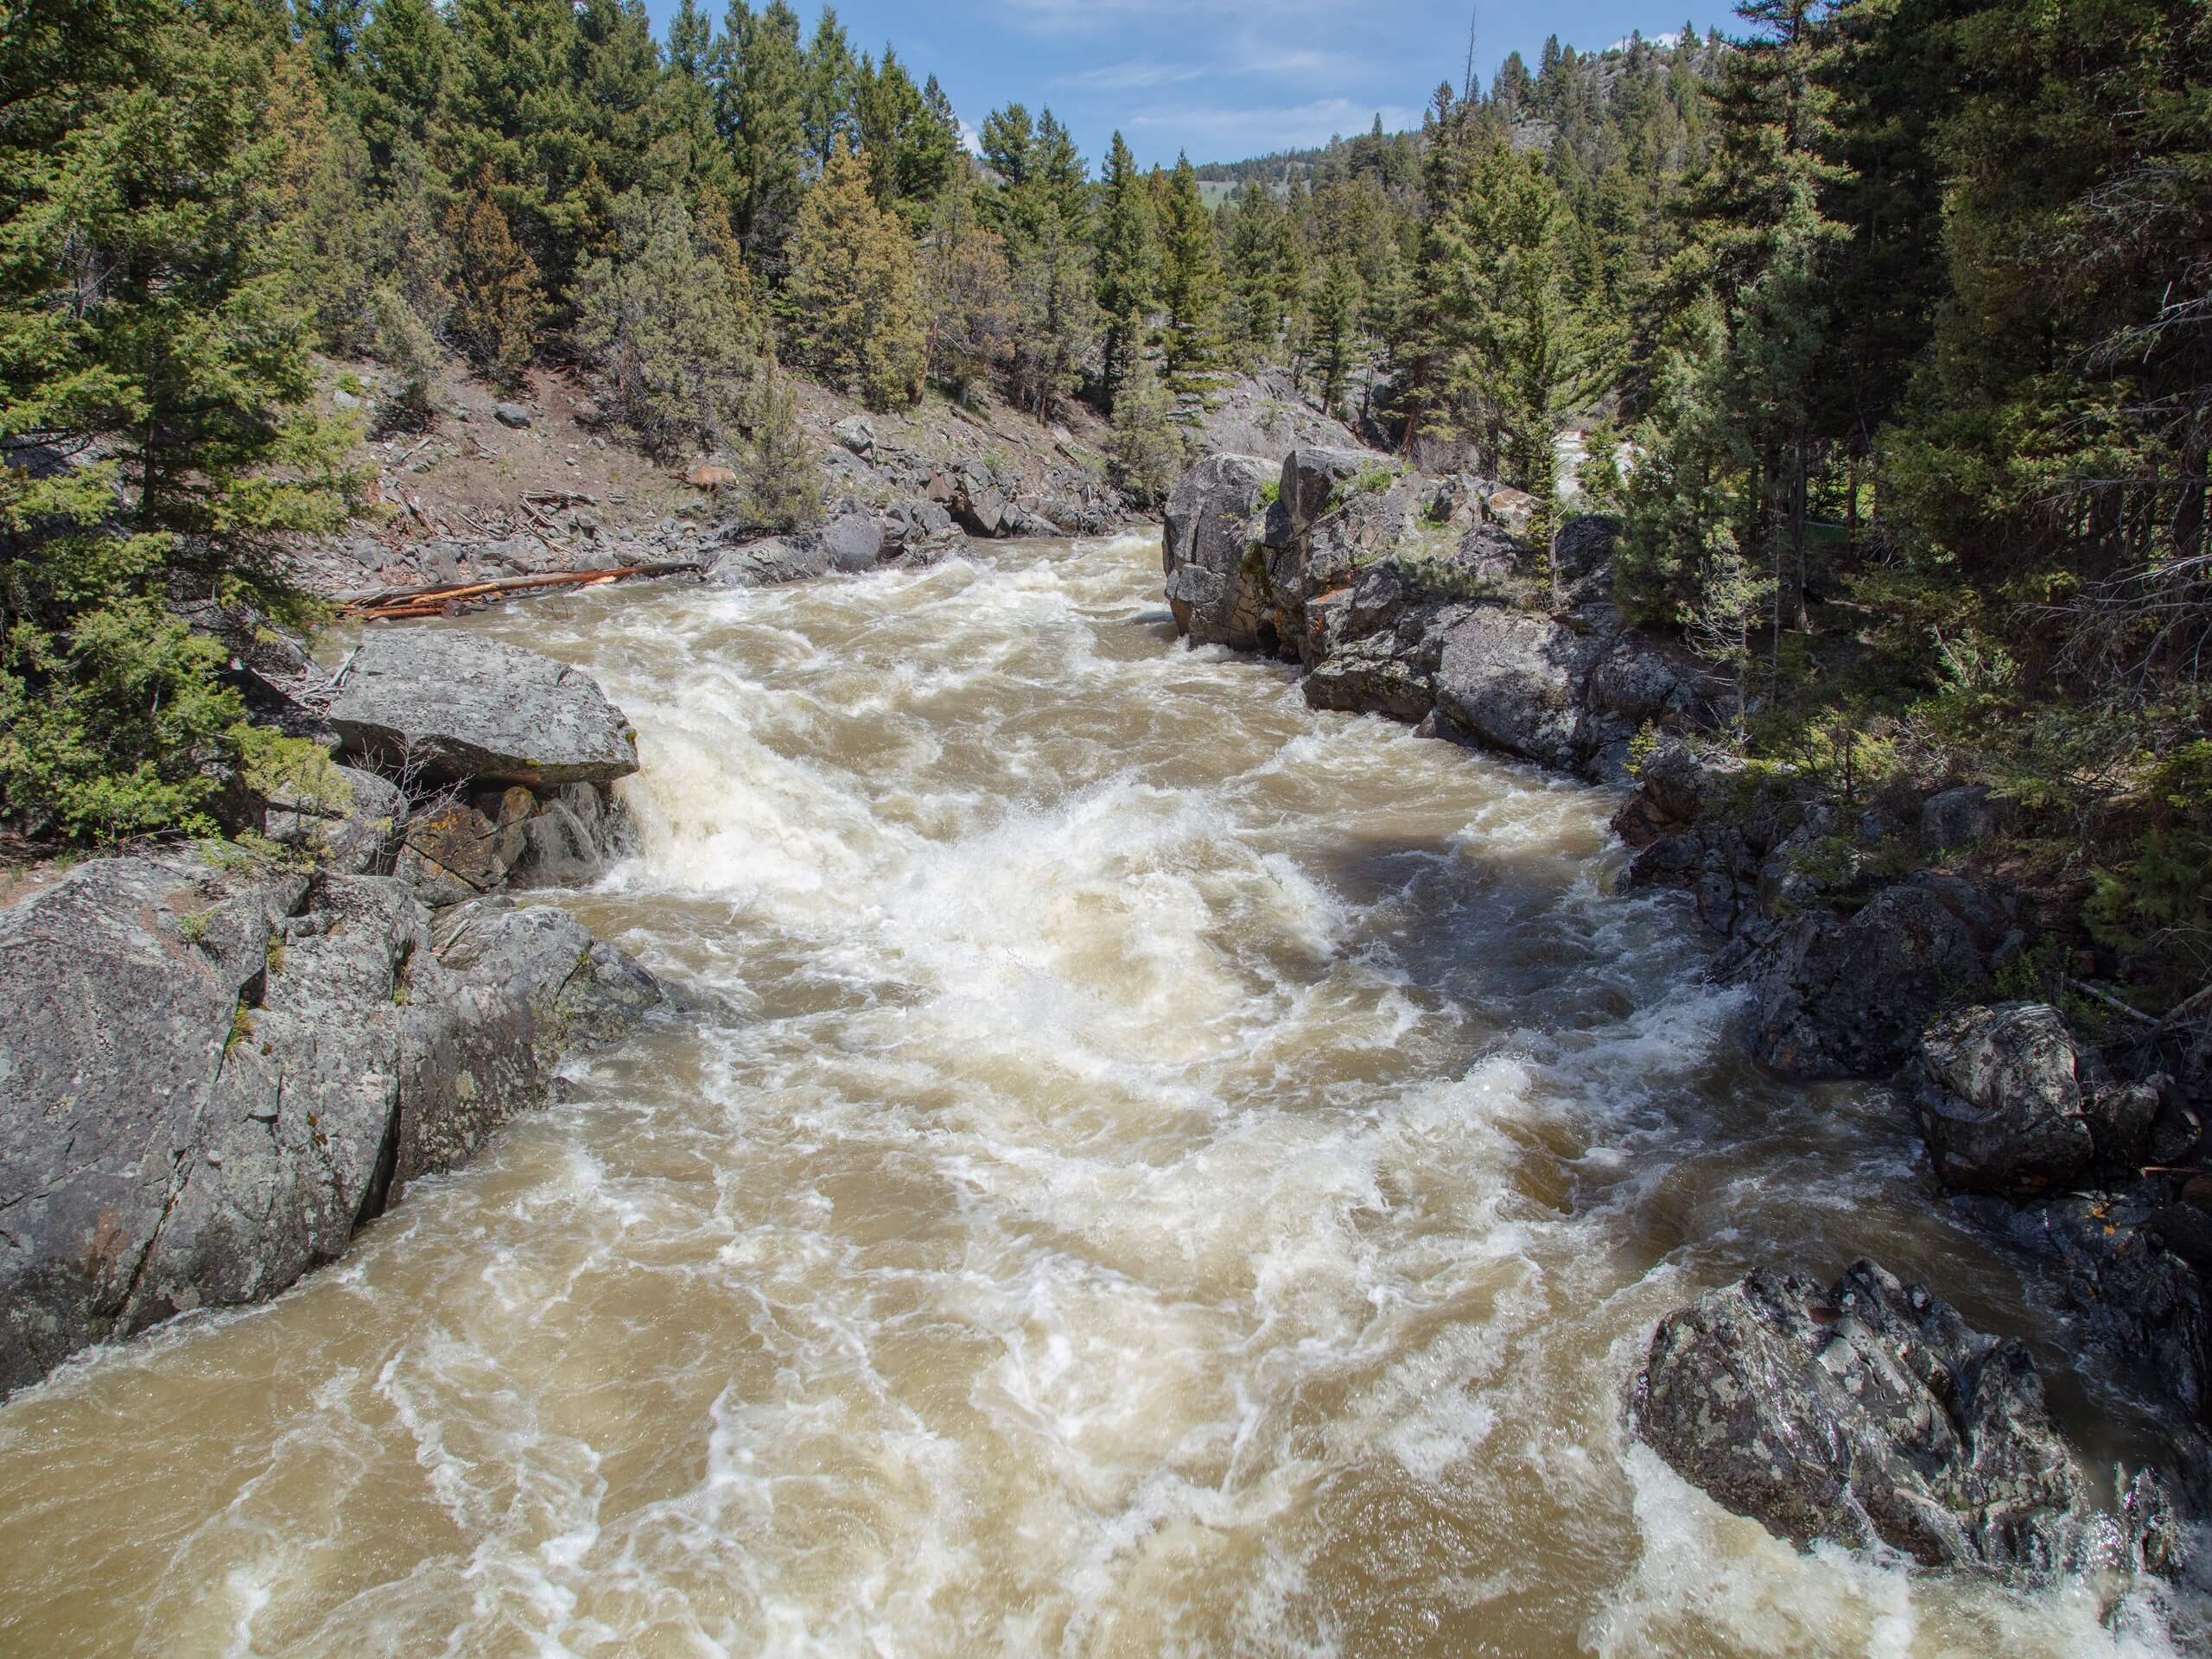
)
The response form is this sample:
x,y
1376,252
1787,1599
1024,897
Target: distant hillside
x,y
1569,92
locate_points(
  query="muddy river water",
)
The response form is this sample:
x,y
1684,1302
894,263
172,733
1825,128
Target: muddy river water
x,y
1149,1170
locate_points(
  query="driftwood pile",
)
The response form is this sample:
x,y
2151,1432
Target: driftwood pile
x,y
453,599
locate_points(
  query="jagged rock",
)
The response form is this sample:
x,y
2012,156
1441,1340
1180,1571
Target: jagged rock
x,y
1838,998
450,855
511,415
583,994
1999,1096
855,434
1515,509
1582,560
1863,1413
355,839
451,706
571,838
1216,579
212,1076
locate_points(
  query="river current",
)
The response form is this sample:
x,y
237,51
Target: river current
x,y
1145,1169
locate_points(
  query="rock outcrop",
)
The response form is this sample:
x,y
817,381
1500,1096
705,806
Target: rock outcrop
x,y
2009,1102
212,1076
1871,1413
1409,596
450,707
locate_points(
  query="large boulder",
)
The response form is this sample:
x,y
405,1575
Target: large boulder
x,y
1862,1413
446,707
1838,997
1515,682
1999,1096
212,1075
1217,584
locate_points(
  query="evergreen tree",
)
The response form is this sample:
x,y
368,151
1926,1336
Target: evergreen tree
x,y
406,59
853,301
688,156
497,301
911,143
1190,281
966,293
1147,454
145,319
1128,262
516,112
762,117
833,90
659,320
781,479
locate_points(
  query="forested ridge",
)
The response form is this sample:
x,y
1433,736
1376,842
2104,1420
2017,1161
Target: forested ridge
x,y
1889,324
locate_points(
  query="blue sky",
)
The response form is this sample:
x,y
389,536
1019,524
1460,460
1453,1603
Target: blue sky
x,y
1223,79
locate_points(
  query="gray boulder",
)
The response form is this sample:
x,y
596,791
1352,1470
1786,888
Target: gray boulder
x,y
2000,1098
855,434
1867,1413
1582,560
1218,585
1515,682
212,1076
2009,1103
581,994
1833,997
357,838
851,543
511,415
452,707
768,562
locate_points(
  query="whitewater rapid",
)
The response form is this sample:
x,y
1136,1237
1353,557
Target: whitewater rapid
x,y
1140,1168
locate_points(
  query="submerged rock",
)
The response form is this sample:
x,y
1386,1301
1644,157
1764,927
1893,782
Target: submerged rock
x,y
212,1076
451,706
1862,1414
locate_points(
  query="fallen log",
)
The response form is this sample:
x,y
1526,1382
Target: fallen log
x,y
430,600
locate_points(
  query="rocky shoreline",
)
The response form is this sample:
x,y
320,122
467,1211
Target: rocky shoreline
x,y
233,1057
1861,957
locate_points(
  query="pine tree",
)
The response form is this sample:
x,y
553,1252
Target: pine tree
x,y
406,61
1148,452
1335,319
910,144
852,300
777,469
146,326
659,320
688,155
833,90
1127,260
617,73
497,302
1190,282
762,117
966,293
515,111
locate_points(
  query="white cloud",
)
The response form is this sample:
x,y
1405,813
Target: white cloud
x,y
1134,75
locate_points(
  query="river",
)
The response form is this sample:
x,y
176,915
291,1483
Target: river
x,y
1149,1170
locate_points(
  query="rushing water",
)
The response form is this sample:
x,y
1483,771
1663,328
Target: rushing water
x,y
1149,1170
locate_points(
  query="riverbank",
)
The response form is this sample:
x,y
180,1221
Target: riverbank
x,y
1867,948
